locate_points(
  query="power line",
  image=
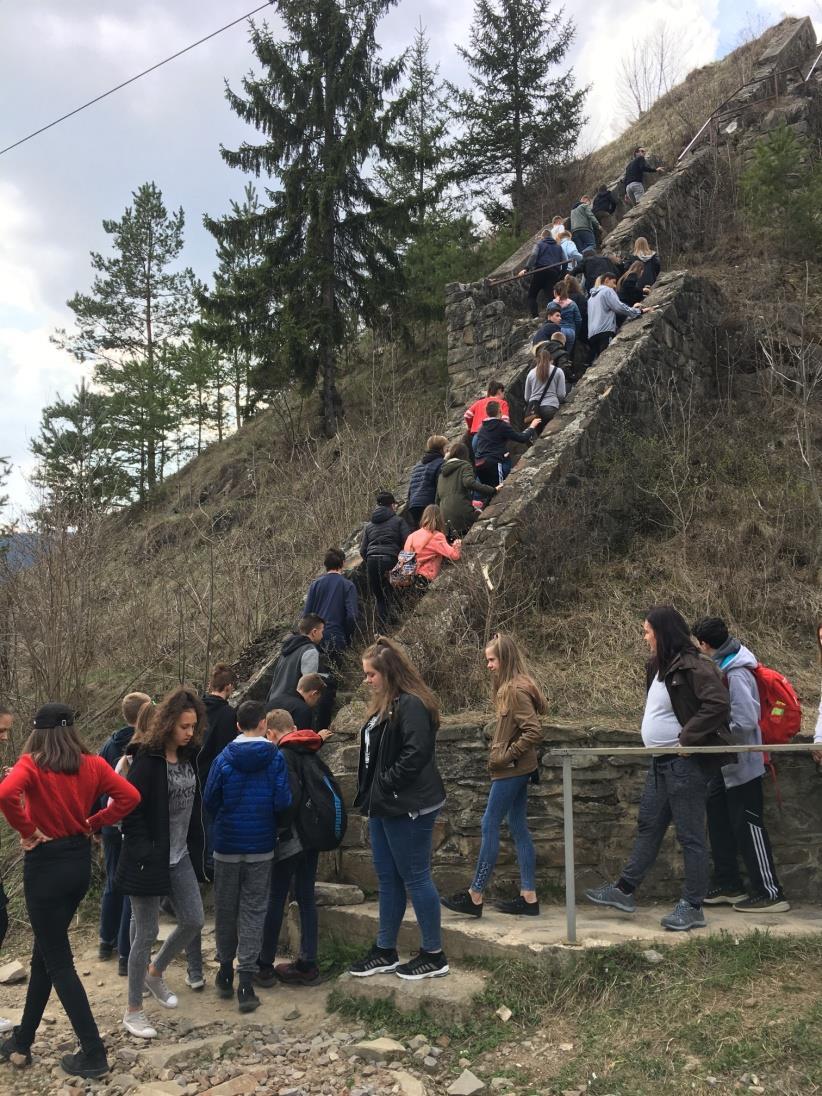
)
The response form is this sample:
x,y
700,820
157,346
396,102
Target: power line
x,y
131,79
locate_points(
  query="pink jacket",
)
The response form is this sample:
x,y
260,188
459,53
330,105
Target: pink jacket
x,y
431,549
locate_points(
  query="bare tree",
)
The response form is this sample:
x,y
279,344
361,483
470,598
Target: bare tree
x,y
652,68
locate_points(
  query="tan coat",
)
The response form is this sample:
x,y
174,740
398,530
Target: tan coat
x,y
516,738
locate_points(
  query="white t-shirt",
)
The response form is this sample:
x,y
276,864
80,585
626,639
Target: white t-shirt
x,y
660,727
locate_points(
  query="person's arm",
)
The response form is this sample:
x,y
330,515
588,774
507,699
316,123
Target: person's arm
x,y
282,798
123,797
310,599
524,438
439,544
310,661
530,387
13,790
561,389
365,537
714,704
136,831
744,699
576,317
351,607
527,721
504,411
468,417
418,737
531,261
619,306
213,792
593,221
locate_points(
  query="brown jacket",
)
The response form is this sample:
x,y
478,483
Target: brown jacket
x,y
700,702
517,735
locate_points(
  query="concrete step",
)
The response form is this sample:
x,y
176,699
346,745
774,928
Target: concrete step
x,y
496,935
449,998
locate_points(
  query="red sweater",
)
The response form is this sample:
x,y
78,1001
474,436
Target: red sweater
x,y
60,804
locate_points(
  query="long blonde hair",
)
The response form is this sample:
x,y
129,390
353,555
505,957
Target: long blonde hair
x,y
400,676
513,672
432,519
642,248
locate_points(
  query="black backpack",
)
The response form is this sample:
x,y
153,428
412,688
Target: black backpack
x,y
320,818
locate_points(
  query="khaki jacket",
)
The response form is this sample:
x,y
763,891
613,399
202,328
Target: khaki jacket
x,y
516,738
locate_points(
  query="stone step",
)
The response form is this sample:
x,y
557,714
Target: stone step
x,y
449,998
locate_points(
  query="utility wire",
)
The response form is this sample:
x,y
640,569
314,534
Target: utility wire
x,y
131,79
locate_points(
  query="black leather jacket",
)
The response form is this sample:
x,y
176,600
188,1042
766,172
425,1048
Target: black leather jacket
x,y
402,775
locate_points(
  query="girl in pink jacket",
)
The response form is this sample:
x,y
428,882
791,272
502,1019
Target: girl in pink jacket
x,y
430,545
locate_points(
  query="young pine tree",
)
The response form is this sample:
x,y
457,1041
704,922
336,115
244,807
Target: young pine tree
x,y
139,306
327,259
517,114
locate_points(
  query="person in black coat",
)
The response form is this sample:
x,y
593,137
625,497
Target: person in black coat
x,y
595,266
163,853
400,791
382,541
493,442
221,718
422,487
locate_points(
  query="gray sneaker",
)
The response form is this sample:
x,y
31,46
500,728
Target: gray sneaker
x,y
156,986
610,895
684,917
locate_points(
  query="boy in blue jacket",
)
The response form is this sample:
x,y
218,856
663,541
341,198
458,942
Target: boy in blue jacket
x,y
247,793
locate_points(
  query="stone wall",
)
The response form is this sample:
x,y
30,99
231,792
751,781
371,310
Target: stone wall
x,y
606,796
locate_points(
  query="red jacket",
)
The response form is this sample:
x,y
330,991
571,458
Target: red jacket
x,y
476,414
61,804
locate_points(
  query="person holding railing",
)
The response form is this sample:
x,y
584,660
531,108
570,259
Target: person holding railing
x,y
686,705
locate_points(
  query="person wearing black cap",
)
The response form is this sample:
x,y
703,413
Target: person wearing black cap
x,y
382,541
49,797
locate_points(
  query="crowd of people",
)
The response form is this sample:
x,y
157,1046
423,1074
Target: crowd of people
x,y
192,791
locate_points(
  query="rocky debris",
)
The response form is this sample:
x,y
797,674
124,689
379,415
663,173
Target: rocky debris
x,y
466,1084
504,1013
409,1084
338,894
653,957
13,972
379,1050
160,1057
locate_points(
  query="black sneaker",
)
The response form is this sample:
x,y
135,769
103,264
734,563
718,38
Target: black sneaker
x,y
247,999
264,975
11,1052
763,904
122,967
428,964
105,951
724,896
378,961
518,907
462,902
225,983
85,1065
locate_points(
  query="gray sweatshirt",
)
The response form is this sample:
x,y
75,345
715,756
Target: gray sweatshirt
x,y
737,663
603,308
554,393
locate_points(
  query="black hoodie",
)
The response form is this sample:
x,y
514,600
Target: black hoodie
x,y
299,656
494,437
384,535
222,729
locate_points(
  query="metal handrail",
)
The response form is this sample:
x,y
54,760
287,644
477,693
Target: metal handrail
x,y
813,66
568,753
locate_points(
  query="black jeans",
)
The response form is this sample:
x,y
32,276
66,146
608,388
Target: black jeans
x,y
4,915
56,876
543,282
377,568
302,868
598,343
736,828
115,908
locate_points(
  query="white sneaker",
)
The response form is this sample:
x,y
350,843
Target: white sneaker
x,y
156,986
136,1023
5,1025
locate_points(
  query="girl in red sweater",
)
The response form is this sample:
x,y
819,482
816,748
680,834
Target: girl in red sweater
x,y
49,798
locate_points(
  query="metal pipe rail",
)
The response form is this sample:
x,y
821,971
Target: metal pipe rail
x,y
568,753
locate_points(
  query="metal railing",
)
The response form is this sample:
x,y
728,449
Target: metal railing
x,y
567,754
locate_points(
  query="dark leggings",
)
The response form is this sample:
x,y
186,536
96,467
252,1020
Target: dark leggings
x,y
302,868
56,876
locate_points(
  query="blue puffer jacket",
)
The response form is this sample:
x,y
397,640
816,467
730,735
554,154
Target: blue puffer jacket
x,y
247,789
422,487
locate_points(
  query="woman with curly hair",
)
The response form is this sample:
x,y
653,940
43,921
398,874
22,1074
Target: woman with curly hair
x,y
163,852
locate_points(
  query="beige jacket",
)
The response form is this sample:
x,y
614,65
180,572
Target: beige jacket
x,y
517,735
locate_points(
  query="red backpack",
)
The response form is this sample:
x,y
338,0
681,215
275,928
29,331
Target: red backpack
x,y
780,712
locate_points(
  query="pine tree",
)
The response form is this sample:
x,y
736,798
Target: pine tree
x,y
327,259
138,307
80,467
517,115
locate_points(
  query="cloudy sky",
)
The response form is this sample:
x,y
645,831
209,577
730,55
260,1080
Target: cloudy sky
x,y
55,190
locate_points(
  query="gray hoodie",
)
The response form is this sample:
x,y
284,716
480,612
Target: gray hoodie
x,y
737,663
603,308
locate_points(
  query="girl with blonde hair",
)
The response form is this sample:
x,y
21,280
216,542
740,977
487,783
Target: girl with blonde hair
x,y
513,765
651,266
430,545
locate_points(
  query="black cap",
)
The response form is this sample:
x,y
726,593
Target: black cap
x,y
53,715
385,498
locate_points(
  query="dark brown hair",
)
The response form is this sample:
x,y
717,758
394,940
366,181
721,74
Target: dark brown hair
x,y
221,676
165,716
400,676
56,749
635,268
495,388
458,451
673,636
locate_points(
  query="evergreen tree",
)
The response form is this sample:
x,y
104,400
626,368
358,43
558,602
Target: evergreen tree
x,y
234,311
80,467
782,192
516,115
139,306
327,258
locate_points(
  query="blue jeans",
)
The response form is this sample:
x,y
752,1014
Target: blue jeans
x,y
115,908
401,850
583,237
507,797
303,869
570,336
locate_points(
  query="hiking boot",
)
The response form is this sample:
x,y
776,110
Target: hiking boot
x,y
136,1023
609,894
518,907
462,902
724,896
195,982
105,951
247,999
264,975
684,917
293,974
85,1065
10,1051
378,961
225,982
156,986
427,964
122,967
763,904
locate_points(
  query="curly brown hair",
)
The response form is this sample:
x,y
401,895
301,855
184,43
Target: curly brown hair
x,y
165,716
